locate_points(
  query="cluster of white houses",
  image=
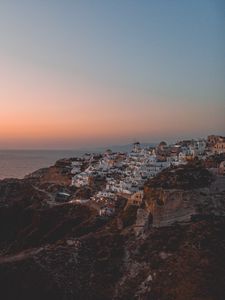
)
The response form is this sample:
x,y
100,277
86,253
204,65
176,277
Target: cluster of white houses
x,y
126,173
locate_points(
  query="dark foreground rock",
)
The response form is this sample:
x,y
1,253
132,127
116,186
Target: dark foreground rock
x,y
66,252
170,263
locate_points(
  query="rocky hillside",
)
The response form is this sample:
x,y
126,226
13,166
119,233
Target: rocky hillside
x,y
170,248
184,177
178,194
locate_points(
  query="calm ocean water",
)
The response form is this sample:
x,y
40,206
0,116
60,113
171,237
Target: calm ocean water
x,y
18,163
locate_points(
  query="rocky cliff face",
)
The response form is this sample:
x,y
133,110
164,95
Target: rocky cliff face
x,y
169,206
176,195
67,252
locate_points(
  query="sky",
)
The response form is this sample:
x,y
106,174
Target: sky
x,y
84,73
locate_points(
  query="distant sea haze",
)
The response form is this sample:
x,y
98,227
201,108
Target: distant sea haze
x,y
18,163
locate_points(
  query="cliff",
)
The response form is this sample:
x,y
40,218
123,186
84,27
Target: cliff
x,y
178,194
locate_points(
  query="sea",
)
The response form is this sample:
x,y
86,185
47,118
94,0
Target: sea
x,y
18,163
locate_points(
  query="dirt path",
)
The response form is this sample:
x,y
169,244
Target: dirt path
x,y
20,256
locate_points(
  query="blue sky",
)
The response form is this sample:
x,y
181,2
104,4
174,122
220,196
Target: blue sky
x,y
144,54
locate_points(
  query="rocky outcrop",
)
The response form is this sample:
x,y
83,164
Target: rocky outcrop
x,y
143,221
58,174
176,195
169,206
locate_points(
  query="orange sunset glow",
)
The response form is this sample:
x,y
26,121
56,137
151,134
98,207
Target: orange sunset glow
x,y
66,91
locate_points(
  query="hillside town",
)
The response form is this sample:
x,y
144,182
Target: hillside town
x,y
124,174
128,217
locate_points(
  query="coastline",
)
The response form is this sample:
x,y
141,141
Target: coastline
x,y
19,163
